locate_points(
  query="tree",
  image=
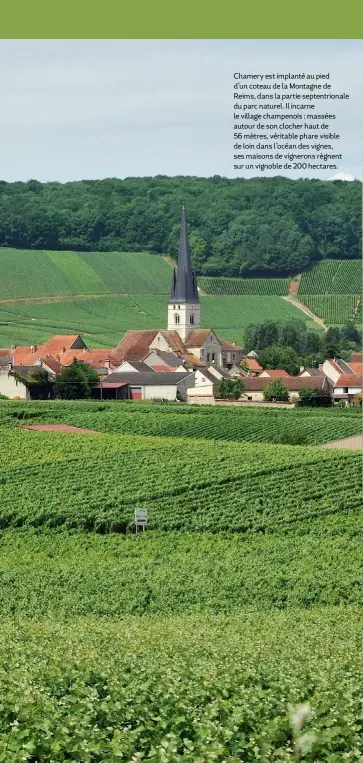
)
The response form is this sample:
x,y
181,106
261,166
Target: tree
x,y
280,357
332,345
75,381
315,397
276,392
351,333
229,389
245,366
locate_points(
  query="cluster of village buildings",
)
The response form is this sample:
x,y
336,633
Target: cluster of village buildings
x,y
183,362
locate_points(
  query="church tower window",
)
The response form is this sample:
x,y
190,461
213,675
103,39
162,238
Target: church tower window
x,y
191,319
177,318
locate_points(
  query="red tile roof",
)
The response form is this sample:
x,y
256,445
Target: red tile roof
x,y
356,357
21,355
253,365
96,358
275,373
162,368
53,364
5,351
229,345
56,346
134,345
174,340
193,360
356,367
349,380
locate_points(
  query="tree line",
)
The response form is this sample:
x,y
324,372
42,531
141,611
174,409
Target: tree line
x,y
288,345
237,226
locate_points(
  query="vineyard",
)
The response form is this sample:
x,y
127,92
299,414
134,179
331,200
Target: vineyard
x,y
95,483
334,309
230,630
244,286
199,688
30,274
58,573
314,426
103,320
333,277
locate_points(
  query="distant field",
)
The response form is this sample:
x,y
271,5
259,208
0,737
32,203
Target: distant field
x,y
28,274
335,308
103,320
333,277
245,286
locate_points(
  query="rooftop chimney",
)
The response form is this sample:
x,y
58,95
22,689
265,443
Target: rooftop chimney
x,y
10,365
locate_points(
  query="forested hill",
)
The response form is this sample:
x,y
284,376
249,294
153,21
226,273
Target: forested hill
x,y
236,226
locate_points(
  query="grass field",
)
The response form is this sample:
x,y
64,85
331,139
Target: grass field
x,y
230,630
103,320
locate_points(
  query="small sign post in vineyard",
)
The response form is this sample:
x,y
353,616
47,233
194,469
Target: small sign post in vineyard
x,y
141,517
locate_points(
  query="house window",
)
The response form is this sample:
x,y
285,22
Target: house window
x,y
208,357
233,356
213,357
345,389
191,319
177,318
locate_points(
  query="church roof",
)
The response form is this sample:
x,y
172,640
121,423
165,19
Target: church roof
x,y
197,337
135,345
184,283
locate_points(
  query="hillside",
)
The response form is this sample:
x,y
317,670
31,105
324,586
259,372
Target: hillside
x,y
102,321
103,294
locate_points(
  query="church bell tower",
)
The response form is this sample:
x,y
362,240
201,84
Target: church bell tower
x,y
184,305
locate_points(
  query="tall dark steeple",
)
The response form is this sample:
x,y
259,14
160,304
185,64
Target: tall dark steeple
x,y
184,284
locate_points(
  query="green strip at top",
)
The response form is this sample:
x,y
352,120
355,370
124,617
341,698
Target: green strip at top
x,y
187,19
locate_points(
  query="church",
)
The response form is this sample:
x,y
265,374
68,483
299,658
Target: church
x,y
184,337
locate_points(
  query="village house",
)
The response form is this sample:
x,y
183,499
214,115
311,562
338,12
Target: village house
x,y
149,385
255,386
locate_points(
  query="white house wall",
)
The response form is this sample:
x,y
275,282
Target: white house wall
x,y
164,392
11,387
330,371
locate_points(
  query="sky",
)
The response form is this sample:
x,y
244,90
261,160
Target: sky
x,y
91,109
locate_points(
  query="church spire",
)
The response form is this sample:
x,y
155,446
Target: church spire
x,y
184,284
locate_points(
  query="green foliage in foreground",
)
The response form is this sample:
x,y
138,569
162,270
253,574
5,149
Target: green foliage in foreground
x,y
62,574
95,482
272,688
246,424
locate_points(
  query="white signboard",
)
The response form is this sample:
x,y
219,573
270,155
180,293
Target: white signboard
x,y
141,517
